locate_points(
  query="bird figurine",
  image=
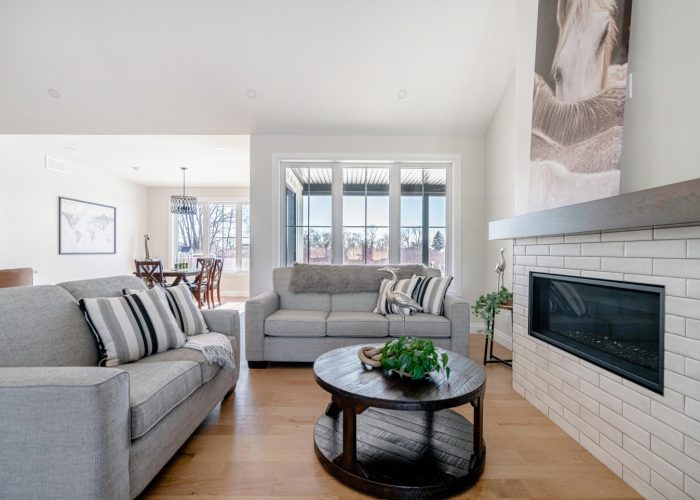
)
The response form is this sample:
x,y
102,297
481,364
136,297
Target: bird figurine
x,y
500,269
401,300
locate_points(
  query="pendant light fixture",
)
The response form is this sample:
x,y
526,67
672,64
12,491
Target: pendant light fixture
x,y
183,204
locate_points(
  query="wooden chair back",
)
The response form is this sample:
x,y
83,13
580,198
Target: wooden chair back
x,y
151,272
215,280
200,287
22,276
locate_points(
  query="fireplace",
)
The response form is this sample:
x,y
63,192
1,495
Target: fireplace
x,y
613,324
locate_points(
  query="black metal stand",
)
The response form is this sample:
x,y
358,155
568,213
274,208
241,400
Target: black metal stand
x,y
488,344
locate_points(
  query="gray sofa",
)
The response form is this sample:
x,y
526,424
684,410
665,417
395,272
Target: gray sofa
x,y
71,429
285,326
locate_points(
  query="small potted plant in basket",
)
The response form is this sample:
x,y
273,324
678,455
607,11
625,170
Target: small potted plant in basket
x,y
488,305
408,356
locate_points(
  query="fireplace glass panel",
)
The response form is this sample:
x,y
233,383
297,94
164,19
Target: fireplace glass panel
x,y
613,324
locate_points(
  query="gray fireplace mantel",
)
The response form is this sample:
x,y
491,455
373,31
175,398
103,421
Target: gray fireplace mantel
x,y
670,205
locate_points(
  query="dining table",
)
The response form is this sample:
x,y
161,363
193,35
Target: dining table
x,y
178,276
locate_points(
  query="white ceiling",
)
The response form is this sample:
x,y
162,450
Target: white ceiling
x,y
158,157
318,66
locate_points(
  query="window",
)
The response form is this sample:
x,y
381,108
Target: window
x,y
217,229
370,213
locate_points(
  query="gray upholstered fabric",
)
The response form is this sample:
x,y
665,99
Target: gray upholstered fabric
x,y
184,308
257,310
361,301
64,433
419,325
157,388
457,311
208,370
43,326
224,321
314,278
151,452
356,324
308,349
299,301
294,323
102,287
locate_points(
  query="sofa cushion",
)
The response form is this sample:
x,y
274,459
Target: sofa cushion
x,y
156,389
356,324
297,301
420,325
296,323
360,301
102,287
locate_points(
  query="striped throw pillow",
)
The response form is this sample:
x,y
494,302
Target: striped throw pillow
x,y
185,310
406,286
430,293
133,326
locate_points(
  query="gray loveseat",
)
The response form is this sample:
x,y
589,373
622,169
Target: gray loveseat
x,y
285,326
71,429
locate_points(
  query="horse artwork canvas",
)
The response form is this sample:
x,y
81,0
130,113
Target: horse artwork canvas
x,y
578,101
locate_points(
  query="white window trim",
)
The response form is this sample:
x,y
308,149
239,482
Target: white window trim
x,y
216,199
454,209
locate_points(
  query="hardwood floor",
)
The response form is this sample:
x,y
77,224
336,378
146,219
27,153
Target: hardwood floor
x,y
259,443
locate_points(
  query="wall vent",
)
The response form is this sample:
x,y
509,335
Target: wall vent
x,y
56,165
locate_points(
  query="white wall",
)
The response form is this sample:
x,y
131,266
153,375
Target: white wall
x,y
29,216
160,226
264,221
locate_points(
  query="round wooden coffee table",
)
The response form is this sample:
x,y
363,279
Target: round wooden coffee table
x,y
396,437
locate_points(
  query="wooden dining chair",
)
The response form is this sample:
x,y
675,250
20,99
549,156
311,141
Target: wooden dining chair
x,y
151,272
215,280
200,286
22,276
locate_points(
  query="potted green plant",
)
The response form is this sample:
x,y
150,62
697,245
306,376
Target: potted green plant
x,y
488,305
413,357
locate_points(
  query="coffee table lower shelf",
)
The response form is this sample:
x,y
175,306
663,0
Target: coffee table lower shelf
x,y
403,454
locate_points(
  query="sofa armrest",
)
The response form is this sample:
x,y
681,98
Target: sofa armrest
x,y
65,432
457,311
257,310
226,321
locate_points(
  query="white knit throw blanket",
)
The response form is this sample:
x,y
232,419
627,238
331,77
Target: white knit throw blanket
x,y
215,347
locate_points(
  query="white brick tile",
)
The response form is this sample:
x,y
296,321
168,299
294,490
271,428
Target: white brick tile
x,y
692,448
537,250
680,383
675,324
564,271
626,458
532,399
638,235
554,358
526,241
526,260
582,238
602,371
585,401
601,425
611,462
674,286
692,487
582,372
526,384
674,457
684,346
549,261
612,249
677,233
634,265
561,373
692,409
564,400
670,398
676,419
693,289
583,263
654,426
519,329
655,463
668,249
519,250
690,308
521,280
536,269
551,403
692,328
521,361
564,425
626,394
602,275
520,290
640,486
548,240
692,369
674,362
526,341
567,249
518,388
519,270
601,396
536,381
629,429
667,489
583,427
549,378
694,249
677,268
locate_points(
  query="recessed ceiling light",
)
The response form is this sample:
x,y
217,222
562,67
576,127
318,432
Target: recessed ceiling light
x,y
251,93
135,168
221,149
54,93
402,94
70,148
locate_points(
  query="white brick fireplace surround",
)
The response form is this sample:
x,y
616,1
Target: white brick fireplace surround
x,y
652,442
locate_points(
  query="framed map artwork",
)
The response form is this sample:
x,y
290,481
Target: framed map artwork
x,y
86,228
